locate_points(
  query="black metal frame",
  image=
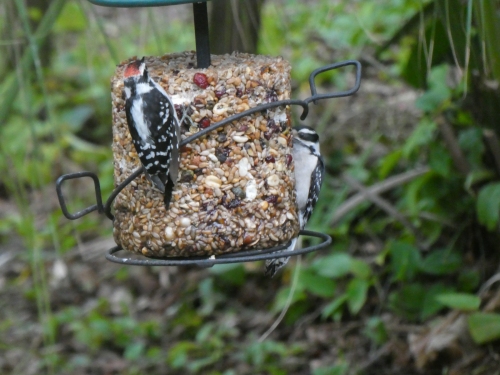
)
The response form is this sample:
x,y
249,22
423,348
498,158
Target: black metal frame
x,y
241,256
200,15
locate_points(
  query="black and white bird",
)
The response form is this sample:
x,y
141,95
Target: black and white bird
x,y
154,127
309,172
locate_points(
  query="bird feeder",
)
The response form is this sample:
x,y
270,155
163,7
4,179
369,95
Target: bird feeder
x,y
234,200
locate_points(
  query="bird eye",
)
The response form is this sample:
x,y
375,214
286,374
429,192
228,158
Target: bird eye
x,y
309,137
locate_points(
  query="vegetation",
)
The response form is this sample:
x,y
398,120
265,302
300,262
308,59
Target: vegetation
x,y
411,200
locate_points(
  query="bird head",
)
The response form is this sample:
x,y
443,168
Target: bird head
x,y
134,73
135,69
306,136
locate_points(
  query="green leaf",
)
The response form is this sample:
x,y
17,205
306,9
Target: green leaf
x,y
415,190
356,292
441,262
134,351
459,301
388,163
233,273
484,327
408,301
439,92
477,176
375,330
430,305
335,266
177,356
468,280
360,269
421,136
332,370
318,285
334,306
405,259
488,205
440,160
77,116
282,297
471,142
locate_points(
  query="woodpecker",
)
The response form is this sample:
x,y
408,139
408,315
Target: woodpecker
x,y
309,172
154,127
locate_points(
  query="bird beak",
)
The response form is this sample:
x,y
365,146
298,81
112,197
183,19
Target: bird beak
x,y
294,132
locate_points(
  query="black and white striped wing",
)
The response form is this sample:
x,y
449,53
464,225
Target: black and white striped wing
x,y
155,134
314,189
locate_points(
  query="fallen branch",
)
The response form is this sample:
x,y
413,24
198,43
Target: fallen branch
x,y
383,204
381,187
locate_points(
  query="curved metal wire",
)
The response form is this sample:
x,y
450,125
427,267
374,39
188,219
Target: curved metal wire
x,y
315,96
227,258
97,188
250,256
263,107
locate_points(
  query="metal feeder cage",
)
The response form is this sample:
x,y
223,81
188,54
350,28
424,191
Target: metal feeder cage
x,y
203,61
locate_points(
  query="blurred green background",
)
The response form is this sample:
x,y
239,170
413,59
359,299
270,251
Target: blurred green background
x,y
411,199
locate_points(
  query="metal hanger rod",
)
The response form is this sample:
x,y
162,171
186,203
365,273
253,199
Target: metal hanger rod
x,y
201,33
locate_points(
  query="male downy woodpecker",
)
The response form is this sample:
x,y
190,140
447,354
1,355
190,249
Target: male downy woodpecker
x,y
154,127
309,171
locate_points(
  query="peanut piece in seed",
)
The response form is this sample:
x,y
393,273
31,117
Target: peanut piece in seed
x,y
213,181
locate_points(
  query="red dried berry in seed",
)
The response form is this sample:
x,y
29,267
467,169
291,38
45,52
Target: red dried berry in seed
x,y
200,80
247,240
271,125
204,123
271,199
288,159
220,93
271,96
269,159
268,134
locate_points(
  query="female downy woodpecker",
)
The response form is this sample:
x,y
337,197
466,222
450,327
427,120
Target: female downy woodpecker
x,y
309,171
154,127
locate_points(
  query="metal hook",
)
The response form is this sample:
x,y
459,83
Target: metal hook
x,y
315,96
97,187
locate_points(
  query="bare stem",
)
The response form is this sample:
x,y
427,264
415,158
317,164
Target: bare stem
x,y
381,187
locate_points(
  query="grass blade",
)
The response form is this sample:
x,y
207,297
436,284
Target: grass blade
x,y
10,87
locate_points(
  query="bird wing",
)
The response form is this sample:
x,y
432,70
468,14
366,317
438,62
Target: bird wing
x,y
171,127
314,189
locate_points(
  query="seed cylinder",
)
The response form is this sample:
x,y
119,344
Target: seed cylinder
x,y
235,189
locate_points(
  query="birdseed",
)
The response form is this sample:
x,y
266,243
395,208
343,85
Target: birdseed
x,y
233,192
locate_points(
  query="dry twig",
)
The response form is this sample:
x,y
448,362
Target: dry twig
x,y
381,187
